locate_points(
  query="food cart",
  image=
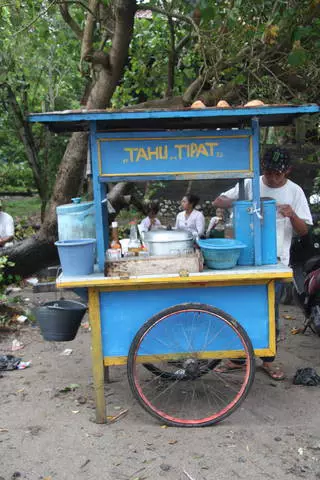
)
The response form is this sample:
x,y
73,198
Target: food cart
x,y
172,330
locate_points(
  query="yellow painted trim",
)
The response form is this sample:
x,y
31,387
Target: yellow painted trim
x,y
190,285
99,159
251,154
272,320
122,360
171,173
164,138
173,282
97,355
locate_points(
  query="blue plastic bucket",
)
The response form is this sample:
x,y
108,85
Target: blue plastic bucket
x,y
243,230
76,220
77,256
221,253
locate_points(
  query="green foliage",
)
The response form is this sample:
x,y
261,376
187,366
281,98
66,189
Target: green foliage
x,y
23,229
39,62
16,177
5,278
146,75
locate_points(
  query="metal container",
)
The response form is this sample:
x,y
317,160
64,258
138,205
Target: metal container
x,y
169,242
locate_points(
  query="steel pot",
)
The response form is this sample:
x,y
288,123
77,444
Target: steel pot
x,y
169,242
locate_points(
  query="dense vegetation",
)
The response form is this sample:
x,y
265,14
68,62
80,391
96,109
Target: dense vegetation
x,y
57,55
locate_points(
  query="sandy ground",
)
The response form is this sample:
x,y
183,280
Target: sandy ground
x,y
48,434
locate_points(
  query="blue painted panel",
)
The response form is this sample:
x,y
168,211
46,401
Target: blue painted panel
x,y
123,313
174,153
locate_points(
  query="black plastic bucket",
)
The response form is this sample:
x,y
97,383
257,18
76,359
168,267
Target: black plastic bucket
x,y
59,321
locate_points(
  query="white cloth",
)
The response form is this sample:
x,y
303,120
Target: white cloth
x,y
289,194
6,227
194,223
144,226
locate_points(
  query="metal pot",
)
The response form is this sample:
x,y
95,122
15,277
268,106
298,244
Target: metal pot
x,y
169,242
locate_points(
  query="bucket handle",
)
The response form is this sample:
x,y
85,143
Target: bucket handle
x,y
61,297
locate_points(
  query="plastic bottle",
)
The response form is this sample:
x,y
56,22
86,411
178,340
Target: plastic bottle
x,y
134,245
228,229
114,252
115,244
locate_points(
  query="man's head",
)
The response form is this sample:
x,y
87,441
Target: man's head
x,y
275,166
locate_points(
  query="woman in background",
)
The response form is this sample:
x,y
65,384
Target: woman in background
x,y
151,222
190,219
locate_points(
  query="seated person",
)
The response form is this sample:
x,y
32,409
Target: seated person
x,y
191,219
151,222
6,228
216,224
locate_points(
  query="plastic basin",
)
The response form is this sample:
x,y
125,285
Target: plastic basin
x,y
77,256
221,253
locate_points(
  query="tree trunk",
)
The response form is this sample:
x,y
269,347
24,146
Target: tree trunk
x,y
33,254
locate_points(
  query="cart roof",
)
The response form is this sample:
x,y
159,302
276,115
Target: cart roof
x,y
163,119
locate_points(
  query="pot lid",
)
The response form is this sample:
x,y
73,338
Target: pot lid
x,y
167,236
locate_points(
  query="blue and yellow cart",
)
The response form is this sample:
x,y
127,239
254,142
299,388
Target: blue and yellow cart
x,y
173,331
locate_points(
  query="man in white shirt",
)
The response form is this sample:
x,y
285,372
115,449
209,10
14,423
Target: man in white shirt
x,y
6,228
293,215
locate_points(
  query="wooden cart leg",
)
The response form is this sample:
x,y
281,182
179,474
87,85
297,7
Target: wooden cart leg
x,y
107,374
97,355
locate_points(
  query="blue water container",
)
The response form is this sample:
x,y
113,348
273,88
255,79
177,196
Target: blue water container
x,y
243,230
269,232
77,256
76,220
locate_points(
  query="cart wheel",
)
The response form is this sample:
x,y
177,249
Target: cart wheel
x,y
176,342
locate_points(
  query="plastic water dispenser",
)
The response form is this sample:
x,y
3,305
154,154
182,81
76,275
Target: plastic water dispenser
x,y
76,220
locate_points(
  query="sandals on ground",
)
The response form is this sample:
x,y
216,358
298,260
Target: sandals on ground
x,y
273,372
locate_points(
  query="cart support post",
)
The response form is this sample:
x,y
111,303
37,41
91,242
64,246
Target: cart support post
x,y
97,355
256,190
99,190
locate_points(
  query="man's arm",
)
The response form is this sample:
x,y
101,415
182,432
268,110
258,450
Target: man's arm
x,y
222,202
5,240
226,199
298,224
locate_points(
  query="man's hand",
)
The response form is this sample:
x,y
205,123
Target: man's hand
x,y
286,211
299,225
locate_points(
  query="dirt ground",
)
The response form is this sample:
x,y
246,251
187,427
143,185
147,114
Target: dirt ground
x,y
49,434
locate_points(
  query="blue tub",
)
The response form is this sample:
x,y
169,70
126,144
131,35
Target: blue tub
x,y
221,253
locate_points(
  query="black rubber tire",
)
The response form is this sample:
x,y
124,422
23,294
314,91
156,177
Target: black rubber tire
x,y
237,328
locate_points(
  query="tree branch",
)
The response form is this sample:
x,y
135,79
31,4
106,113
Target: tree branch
x,y
192,90
64,10
178,16
171,58
87,38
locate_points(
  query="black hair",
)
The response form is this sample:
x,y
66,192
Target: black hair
x,y
276,158
153,208
193,199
